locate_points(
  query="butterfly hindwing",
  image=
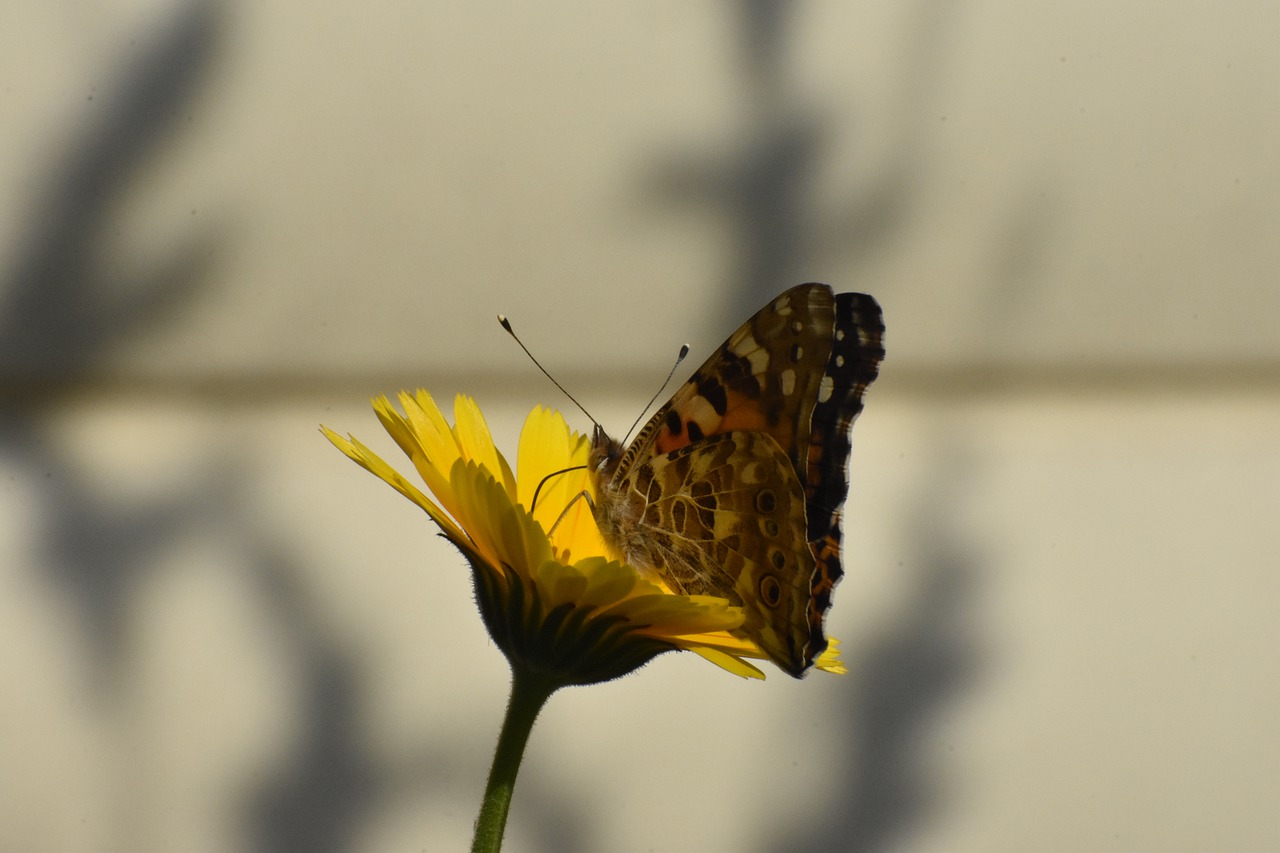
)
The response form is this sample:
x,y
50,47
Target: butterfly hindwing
x,y
724,513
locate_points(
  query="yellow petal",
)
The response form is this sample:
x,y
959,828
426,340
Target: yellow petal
x,y
432,429
728,662
417,432
829,660
374,464
577,536
502,529
560,584
661,614
547,448
476,442
608,581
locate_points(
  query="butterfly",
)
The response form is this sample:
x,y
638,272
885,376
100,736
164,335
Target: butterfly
x,y
735,487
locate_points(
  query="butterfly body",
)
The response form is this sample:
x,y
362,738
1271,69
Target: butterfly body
x,y
734,488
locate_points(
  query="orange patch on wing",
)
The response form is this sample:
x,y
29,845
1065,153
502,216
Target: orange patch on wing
x,y
742,415
666,442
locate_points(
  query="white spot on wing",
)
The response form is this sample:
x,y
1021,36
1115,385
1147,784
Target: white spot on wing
x,y
700,410
825,389
788,378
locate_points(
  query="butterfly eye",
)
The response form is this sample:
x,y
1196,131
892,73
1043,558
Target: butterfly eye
x,y
609,457
770,591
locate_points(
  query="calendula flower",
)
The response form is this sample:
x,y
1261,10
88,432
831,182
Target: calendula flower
x,y
558,606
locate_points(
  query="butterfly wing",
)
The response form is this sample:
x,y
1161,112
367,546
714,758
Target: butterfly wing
x,y
797,372
779,394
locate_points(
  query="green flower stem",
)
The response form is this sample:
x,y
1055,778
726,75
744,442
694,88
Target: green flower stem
x,y
529,693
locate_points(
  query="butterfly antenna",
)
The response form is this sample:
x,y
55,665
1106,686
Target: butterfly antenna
x,y
506,324
684,350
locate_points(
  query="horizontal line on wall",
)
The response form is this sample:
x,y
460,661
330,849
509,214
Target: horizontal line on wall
x,y
954,382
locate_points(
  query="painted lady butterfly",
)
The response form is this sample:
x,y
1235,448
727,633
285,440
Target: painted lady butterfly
x,y
735,487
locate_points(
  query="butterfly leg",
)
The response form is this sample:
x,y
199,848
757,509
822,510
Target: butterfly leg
x,y
582,495
534,504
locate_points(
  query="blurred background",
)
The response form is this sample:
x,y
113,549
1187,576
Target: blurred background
x,y
223,223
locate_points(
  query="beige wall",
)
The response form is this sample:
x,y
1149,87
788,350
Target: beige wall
x,y
224,223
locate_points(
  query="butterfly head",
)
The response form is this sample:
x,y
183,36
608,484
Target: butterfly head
x,y
604,456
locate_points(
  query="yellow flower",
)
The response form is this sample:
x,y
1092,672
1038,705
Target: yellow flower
x,y
550,595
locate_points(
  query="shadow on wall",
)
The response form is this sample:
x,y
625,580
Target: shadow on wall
x,y
765,179
60,315
59,312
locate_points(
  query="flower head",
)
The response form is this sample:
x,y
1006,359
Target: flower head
x,y
550,595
